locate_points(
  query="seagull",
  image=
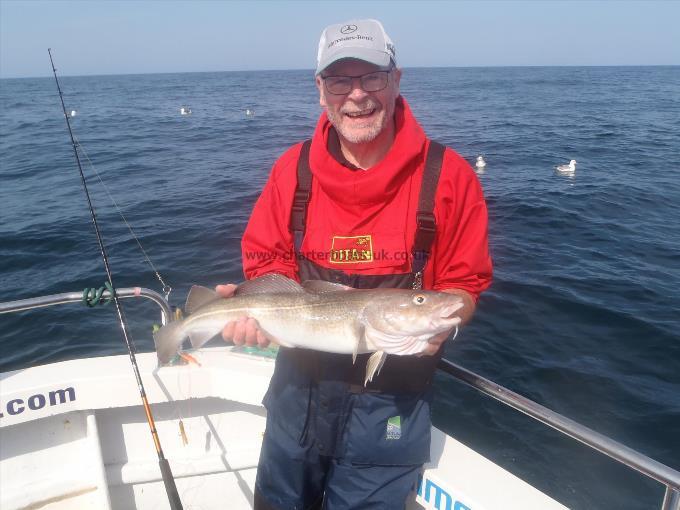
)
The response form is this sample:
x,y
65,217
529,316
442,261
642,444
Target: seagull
x,y
571,167
185,110
480,162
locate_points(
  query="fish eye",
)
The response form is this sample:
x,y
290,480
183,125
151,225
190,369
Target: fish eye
x,y
419,299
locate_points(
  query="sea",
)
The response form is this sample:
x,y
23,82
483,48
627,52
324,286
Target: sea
x,y
583,315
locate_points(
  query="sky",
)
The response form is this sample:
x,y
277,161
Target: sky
x,y
129,37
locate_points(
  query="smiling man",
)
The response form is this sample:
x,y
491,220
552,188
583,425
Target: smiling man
x,y
363,116
368,202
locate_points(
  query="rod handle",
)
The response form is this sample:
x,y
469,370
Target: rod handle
x,y
170,487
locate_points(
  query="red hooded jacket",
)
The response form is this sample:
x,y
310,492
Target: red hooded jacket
x,y
364,221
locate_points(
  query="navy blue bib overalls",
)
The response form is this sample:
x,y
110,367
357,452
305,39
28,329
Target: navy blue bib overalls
x,y
330,441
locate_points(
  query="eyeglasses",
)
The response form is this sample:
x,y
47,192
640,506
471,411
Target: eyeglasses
x,y
370,82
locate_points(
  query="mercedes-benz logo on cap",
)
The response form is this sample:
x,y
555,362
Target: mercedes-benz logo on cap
x,y
348,29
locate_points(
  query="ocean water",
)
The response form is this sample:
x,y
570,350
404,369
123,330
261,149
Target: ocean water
x,y
583,315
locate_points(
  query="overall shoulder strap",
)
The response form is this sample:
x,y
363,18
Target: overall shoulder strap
x,y
425,223
298,215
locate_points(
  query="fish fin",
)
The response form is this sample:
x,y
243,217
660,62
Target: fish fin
x,y
199,296
199,338
323,287
375,363
272,283
168,341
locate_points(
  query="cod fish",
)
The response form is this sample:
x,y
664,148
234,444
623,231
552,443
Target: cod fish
x,y
317,315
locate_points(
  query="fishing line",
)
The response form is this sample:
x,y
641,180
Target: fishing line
x,y
166,288
168,480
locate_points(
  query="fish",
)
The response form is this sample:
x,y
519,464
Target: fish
x,y
317,315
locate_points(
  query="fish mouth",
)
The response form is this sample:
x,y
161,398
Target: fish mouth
x,y
447,318
449,312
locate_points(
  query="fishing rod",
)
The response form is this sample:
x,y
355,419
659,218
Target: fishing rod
x,y
168,479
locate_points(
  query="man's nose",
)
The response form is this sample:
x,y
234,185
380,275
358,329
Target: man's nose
x,y
357,93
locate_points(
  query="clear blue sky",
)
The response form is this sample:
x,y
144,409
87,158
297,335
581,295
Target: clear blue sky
x,y
118,37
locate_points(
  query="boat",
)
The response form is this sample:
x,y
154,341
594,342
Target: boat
x,y
74,435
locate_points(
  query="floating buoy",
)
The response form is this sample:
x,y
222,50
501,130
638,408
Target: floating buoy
x,y
480,162
72,113
250,113
185,110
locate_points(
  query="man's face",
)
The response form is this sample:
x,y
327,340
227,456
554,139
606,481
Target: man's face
x,y
359,116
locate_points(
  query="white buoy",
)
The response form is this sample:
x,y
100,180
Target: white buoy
x,y
480,162
567,169
73,113
185,110
250,113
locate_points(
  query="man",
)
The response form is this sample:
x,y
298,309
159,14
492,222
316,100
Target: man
x,y
367,204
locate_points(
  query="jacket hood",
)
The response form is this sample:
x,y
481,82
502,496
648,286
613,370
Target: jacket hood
x,y
381,181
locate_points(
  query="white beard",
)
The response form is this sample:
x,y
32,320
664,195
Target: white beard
x,y
361,133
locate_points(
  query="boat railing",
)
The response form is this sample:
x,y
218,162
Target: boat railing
x,y
613,449
75,297
622,454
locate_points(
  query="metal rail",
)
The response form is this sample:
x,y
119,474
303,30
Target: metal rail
x,y
74,297
613,449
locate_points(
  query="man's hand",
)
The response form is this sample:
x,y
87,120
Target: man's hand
x,y
243,331
465,315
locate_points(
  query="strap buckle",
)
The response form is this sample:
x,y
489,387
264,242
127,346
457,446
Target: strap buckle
x,y
300,200
425,221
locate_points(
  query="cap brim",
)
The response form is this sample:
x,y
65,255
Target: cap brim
x,y
376,57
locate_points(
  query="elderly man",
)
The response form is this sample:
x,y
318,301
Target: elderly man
x,y
368,202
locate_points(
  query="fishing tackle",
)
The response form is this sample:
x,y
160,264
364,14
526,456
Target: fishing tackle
x,y
183,433
189,358
166,288
168,480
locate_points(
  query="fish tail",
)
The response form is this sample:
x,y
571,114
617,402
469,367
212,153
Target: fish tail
x,y
168,340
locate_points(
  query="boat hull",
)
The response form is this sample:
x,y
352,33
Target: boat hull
x,y
74,435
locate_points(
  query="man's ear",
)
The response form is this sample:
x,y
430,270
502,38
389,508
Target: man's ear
x,y
397,79
322,97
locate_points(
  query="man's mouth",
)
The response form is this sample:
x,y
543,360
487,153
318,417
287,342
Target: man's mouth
x,y
360,114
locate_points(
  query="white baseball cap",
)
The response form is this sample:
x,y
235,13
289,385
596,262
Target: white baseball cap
x,y
363,39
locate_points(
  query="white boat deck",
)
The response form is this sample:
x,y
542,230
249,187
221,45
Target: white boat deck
x,y
73,435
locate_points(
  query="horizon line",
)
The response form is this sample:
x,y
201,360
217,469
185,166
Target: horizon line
x,y
311,70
